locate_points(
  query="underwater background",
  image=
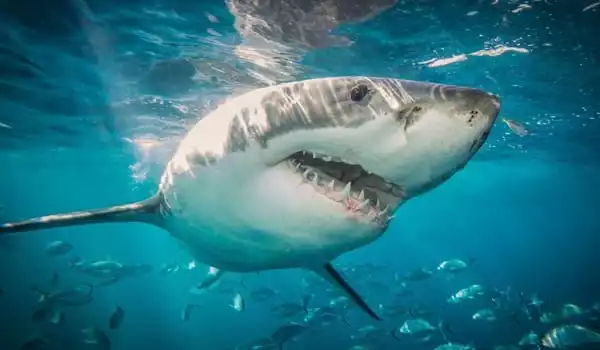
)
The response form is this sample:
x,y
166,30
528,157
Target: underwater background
x,y
95,96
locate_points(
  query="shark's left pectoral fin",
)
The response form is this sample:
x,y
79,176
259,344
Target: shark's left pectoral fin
x,y
329,273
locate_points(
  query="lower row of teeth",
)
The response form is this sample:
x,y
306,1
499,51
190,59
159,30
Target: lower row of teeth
x,y
346,197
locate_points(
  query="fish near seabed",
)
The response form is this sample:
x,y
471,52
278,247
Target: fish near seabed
x,y
296,174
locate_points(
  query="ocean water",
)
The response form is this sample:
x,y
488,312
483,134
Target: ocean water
x,y
96,95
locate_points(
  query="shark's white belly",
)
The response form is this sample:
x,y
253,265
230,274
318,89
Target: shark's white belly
x,y
273,221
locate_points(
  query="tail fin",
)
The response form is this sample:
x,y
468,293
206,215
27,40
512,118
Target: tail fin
x,y
143,211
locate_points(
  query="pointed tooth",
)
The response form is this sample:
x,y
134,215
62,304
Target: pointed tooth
x,y
306,173
346,191
384,211
331,184
314,155
363,205
378,204
391,218
315,179
361,195
298,166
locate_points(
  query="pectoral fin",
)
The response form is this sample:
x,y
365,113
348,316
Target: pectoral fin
x,y
329,273
144,211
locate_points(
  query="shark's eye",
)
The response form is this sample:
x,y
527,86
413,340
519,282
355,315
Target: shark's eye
x,y
359,92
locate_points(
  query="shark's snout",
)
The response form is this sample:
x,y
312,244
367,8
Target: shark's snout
x,y
478,104
489,105
485,106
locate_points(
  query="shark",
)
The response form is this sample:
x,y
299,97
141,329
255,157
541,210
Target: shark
x,y
295,175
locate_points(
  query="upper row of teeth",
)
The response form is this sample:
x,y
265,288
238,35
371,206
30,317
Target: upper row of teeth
x,y
346,193
326,158
391,188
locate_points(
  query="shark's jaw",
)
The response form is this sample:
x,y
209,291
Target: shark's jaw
x,y
362,195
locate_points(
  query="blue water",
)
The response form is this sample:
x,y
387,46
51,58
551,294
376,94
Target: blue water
x,y
82,83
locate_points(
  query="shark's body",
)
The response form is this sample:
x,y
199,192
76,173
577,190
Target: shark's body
x,y
265,181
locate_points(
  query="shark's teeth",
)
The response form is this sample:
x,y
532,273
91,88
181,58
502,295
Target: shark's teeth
x,y
315,179
384,211
363,205
355,202
346,190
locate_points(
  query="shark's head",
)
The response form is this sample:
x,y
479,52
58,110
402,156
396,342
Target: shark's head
x,y
333,154
389,139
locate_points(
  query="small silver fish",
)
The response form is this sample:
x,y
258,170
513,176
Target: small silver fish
x,y
517,127
530,338
570,335
454,265
468,293
417,326
238,303
487,315
58,248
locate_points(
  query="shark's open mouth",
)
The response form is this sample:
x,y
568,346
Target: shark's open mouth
x,y
362,193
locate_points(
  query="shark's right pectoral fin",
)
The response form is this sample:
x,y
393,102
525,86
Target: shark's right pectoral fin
x,y
144,211
329,273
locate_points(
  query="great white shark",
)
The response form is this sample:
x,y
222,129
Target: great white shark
x,y
296,174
